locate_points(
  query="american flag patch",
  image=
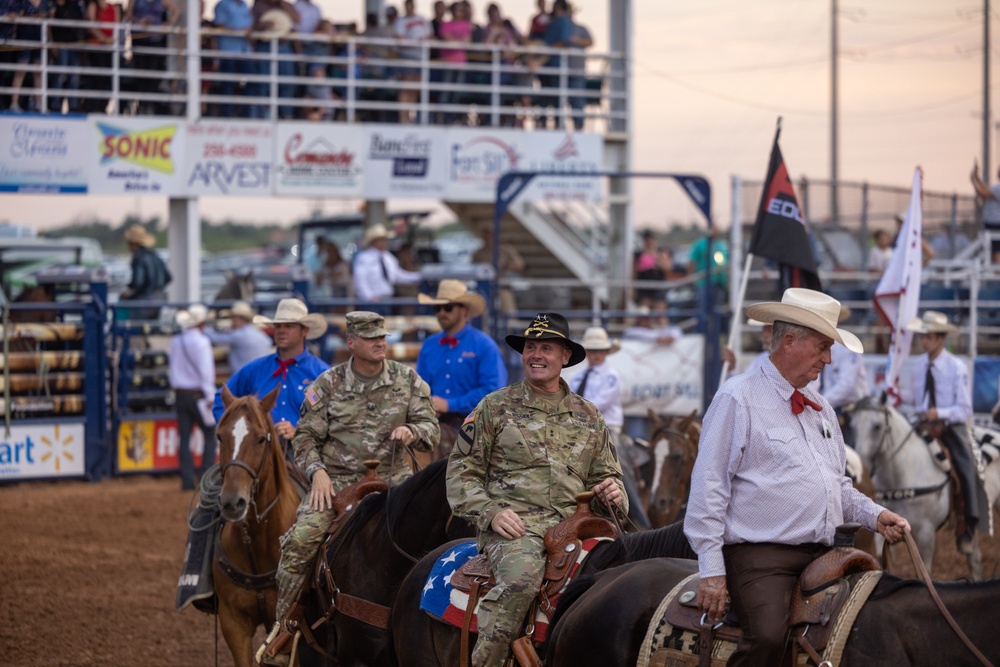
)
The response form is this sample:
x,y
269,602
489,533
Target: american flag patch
x,y
312,396
470,418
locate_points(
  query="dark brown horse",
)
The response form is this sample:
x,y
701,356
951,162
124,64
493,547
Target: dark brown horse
x,y
603,621
673,448
421,641
258,504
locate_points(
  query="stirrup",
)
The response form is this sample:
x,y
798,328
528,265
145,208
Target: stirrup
x,y
276,649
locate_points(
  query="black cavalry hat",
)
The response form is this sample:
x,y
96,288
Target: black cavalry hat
x,y
549,326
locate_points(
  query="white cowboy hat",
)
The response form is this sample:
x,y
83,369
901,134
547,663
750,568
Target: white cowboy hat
x,y
807,308
138,235
455,291
931,322
242,309
376,232
278,22
293,311
596,338
193,316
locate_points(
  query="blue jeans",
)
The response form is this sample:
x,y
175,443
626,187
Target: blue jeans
x,y
286,68
238,68
65,81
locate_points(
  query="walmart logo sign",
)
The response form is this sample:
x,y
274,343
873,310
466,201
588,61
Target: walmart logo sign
x,y
53,450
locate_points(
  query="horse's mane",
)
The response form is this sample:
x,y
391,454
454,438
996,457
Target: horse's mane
x,y
666,542
890,583
574,591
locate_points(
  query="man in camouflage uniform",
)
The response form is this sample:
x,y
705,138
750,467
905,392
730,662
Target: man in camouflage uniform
x,y
520,459
365,408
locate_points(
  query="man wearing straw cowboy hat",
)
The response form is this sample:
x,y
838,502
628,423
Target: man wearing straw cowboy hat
x,y
601,384
377,271
292,365
192,377
150,275
460,363
520,459
768,488
939,395
368,407
246,342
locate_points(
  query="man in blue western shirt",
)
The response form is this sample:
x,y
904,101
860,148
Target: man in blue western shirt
x,y
461,363
292,365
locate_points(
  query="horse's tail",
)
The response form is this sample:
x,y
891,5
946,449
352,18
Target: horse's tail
x,y
575,590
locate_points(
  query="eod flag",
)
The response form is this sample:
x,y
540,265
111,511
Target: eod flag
x,y
779,232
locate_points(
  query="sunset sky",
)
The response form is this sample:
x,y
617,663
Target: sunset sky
x,y
711,77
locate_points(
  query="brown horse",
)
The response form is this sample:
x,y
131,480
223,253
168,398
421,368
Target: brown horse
x,y
258,503
673,448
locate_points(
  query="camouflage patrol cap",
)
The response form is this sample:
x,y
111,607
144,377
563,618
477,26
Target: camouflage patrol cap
x,y
366,324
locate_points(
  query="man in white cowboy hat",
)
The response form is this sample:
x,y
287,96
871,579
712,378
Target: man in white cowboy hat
x,y
366,408
460,363
292,365
150,275
246,342
939,396
192,377
768,488
520,459
377,271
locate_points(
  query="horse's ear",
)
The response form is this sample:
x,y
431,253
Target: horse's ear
x,y
882,398
227,396
686,422
654,418
272,397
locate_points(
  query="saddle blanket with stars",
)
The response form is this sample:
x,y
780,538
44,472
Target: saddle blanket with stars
x,y
447,604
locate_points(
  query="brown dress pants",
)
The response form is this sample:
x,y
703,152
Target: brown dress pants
x,y
760,578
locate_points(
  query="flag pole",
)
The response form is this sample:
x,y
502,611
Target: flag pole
x,y
734,326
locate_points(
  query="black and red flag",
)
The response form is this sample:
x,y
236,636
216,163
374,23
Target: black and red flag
x,y
779,233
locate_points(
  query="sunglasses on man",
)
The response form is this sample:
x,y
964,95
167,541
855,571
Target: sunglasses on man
x,y
448,307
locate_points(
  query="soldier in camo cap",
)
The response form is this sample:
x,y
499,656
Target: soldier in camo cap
x,y
365,408
520,459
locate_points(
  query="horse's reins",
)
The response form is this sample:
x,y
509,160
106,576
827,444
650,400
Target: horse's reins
x,y
918,564
898,494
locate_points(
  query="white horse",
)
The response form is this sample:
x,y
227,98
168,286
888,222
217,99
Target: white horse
x,y
908,479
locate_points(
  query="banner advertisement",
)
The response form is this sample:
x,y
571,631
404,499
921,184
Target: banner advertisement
x,y
145,446
136,156
42,450
40,155
229,158
319,160
664,378
406,162
478,158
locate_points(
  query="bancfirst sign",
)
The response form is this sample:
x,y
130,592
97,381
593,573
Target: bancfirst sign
x,y
170,157
43,450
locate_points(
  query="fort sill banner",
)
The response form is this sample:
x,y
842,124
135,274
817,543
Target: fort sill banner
x,y
145,446
40,155
35,451
136,156
320,160
229,158
664,378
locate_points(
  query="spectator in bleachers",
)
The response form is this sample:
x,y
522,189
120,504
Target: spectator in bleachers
x,y
100,11
991,210
579,40
439,19
501,32
539,22
29,9
319,90
879,256
925,248
374,68
558,35
411,27
458,31
8,31
699,261
276,18
234,16
646,266
161,13
66,56
307,25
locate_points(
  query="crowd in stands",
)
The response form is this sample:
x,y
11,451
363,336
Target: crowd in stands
x,y
240,40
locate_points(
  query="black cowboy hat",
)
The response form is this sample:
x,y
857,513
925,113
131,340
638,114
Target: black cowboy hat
x,y
549,326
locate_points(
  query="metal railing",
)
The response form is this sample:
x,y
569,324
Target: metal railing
x,y
341,78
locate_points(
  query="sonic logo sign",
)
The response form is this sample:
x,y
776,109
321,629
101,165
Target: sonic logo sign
x,y
137,156
49,450
150,148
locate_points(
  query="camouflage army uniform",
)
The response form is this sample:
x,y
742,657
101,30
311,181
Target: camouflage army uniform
x,y
517,450
341,426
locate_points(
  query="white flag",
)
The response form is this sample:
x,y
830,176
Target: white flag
x,y
897,296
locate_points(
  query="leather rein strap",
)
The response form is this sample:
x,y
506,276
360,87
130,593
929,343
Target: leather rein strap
x,y
918,563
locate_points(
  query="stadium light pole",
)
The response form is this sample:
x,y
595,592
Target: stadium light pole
x,y
834,116
986,91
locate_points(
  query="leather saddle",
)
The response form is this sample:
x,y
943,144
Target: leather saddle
x,y
562,546
816,602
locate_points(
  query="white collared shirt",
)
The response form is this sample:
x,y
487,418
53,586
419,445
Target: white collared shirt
x,y
376,272
604,389
764,474
192,365
951,384
845,379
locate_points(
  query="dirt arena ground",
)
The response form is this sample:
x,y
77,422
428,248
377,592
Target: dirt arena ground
x,y
90,574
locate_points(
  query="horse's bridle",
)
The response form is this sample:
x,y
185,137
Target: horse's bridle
x,y
255,474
